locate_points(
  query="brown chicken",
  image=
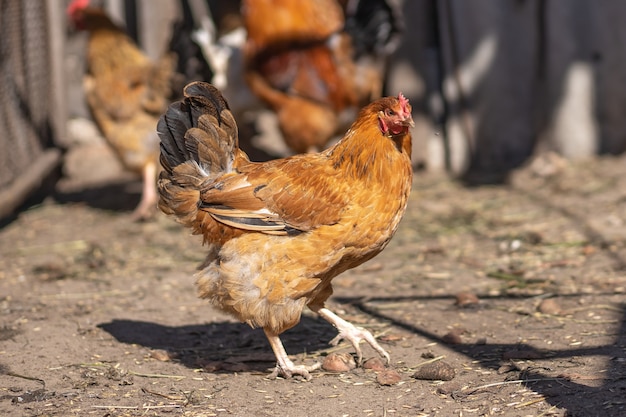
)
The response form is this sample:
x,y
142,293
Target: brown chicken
x,y
126,93
305,63
279,231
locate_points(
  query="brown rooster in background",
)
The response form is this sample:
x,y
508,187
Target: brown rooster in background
x,y
316,63
279,231
126,93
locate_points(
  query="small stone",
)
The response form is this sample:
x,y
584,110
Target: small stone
x,y
213,366
338,362
435,371
375,364
388,377
549,306
449,388
481,341
453,337
507,367
466,299
428,355
161,355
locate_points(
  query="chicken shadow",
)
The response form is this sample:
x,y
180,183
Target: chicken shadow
x,y
221,346
121,195
559,391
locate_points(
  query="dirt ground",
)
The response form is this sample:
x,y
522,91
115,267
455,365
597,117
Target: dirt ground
x,y
515,292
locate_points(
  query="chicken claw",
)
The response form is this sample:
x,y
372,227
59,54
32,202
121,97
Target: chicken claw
x,y
284,366
353,334
289,369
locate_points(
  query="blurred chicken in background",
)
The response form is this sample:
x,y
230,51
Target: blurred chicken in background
x,y
221,36
315,63
126,93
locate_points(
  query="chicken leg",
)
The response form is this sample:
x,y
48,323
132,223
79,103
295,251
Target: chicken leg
x,y
147,205
351,333
284,366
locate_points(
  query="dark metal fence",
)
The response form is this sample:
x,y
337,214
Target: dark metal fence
x,y
31,111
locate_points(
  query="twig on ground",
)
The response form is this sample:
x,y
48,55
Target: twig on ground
x,y
177,377
438,358
496,384
135,407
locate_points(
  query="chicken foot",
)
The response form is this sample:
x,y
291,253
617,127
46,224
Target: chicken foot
x,y
351,333
284,366
147,205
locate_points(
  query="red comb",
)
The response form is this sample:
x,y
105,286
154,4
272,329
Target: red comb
x,y
77,5
404,102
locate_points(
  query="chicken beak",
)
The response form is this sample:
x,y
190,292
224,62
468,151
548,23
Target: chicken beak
x,y
408,121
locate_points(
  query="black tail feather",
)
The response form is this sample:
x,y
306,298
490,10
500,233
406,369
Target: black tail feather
x,y
198,128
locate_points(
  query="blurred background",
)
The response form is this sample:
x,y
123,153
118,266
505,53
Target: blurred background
x,y
494,84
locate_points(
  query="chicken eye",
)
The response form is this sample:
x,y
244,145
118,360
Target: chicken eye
x,y
390,112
